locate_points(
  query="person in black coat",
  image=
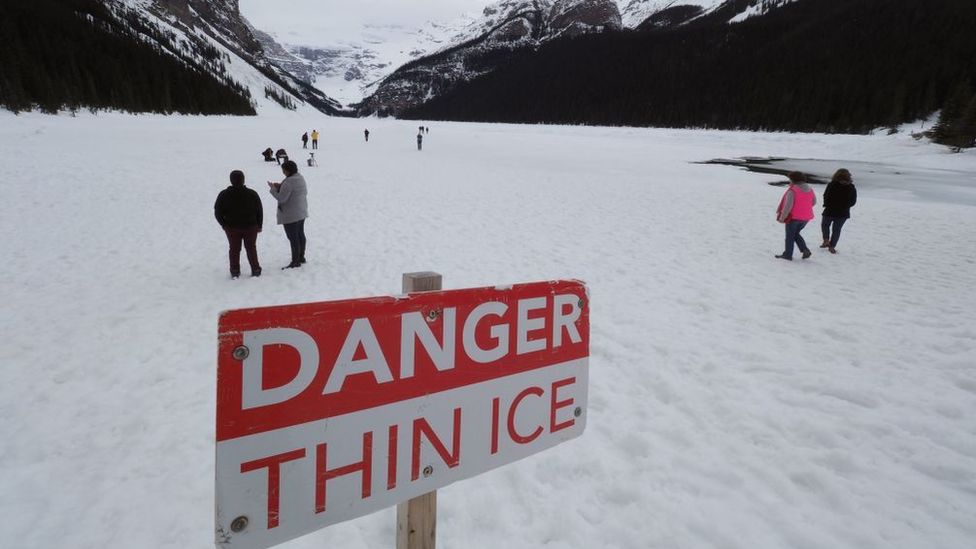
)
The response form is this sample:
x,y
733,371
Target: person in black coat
x,y
238,210
839,198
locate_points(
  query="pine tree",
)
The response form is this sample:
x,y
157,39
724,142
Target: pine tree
x,y
929,101
897,114
945,130
964,130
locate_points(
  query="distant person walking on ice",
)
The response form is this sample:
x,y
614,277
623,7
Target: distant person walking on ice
x,y
839,198
795,211
292,197
420,141
238,210
315,139
305,140
366,133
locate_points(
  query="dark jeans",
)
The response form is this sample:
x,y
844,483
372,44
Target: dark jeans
x,y
793,236
304,144
838,225
249,238
315,144
296,238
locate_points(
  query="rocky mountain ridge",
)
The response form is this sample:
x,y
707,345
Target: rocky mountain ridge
x,y
509,26
260,64
634,13
351,69
505,28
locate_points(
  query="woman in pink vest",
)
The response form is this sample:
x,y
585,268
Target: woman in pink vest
x,y
795,211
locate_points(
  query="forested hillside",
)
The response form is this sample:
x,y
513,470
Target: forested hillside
x,y
71,54
813,65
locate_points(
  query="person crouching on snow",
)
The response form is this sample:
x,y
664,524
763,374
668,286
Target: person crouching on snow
x,y
292,197
238,210
795,211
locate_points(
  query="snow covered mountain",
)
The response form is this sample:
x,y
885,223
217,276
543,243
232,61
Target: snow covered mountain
x,y
512,25
635,12
537,21
348,68
757,7
202,28
350,63
504,28
658,14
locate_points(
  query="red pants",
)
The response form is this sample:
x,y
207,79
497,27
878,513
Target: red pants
x,y
249,238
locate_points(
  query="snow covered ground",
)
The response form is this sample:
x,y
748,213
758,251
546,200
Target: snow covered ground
x,y
737,401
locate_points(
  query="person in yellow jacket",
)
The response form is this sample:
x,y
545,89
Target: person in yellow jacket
x,y
315,139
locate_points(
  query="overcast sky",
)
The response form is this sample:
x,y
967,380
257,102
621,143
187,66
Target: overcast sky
x,y
316,22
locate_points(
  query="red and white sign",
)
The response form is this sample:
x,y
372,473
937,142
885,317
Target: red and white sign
x,y
330,411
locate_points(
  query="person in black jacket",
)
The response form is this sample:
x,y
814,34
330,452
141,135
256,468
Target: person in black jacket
x,y
281,156
238,210
839,198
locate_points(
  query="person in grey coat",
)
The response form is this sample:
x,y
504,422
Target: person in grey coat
x,y
292,197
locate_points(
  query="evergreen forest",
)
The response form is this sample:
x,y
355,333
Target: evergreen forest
x,y
78,54
814,66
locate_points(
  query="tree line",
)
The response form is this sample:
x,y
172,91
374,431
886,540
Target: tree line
x,y
812,65
77,54
957,121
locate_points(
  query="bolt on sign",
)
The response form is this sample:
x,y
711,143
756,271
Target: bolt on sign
x,y
330,411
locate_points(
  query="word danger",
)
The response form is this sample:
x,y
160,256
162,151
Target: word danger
x,y
361,340
330,411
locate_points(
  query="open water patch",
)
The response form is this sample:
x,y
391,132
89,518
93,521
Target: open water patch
x,y
891,181
770,166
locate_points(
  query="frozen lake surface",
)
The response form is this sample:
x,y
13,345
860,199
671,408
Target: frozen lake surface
x,y
736,401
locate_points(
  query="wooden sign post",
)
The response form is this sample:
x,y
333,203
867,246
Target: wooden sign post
x,y
417,518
